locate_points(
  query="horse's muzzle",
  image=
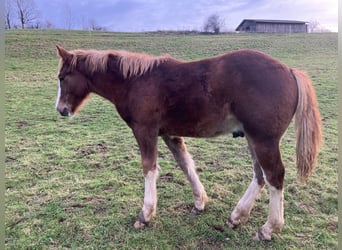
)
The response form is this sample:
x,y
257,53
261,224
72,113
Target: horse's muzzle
x,y
65,112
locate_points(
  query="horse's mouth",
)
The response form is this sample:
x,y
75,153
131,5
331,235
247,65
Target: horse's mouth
x,y
65,112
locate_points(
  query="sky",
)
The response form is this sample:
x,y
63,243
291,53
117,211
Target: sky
x,y
152,15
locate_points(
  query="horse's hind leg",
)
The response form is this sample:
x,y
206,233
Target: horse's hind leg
x,y
185,161
242,210
268,155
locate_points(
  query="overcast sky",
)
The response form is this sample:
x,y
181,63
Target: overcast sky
x,y
151,15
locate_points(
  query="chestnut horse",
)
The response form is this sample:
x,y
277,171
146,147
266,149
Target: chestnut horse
x,y
245,92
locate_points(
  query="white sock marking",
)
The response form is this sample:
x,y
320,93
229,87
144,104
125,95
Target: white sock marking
x,y
150,199
246,203
247,200
197,187
276,209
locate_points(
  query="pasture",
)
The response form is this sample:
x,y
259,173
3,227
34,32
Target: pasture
x,y
77,183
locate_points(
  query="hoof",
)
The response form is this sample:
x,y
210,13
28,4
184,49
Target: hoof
x,y
261,236
196,211
231,224
141,222
139,225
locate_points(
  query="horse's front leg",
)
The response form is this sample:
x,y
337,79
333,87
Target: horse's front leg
x,y
147,142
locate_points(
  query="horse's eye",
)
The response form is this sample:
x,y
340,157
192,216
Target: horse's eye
x,y
61,78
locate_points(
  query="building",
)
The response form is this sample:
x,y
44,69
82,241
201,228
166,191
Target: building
x,y
272,26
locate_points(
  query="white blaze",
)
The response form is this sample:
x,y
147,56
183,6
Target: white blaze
x,y
58,94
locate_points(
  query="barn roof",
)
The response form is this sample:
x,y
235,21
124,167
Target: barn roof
x,y
270,21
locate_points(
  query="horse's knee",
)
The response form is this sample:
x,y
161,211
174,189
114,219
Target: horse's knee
x,y
148,165
275,177
271,165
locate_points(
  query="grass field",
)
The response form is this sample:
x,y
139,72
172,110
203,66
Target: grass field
x,y
77,183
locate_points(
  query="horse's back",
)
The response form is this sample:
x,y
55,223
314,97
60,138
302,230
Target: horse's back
x,y
243,90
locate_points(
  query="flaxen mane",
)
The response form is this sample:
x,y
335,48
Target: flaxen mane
x,y
131,64
136,64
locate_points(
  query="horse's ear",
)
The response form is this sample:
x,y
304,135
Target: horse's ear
x,y
64,54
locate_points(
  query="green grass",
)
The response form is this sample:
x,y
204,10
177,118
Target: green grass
x,y
77,183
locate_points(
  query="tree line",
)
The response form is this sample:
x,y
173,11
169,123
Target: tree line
x,y
24,11
23,14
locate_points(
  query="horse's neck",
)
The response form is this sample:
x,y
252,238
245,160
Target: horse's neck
x,y
108,86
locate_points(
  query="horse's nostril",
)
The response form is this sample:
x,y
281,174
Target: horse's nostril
x,y
65,112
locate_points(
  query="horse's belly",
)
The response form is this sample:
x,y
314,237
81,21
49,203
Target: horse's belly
x,y
214,126
229,125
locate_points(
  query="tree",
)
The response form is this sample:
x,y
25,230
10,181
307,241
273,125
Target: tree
x,y
26,11
8,14
213,24
315,26
94,26
69,17
48,24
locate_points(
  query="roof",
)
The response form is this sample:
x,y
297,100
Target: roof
x,y
271,21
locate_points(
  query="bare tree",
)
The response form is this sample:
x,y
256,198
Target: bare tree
x,y
26,11
316,27
213,24
94,26
69,18
48,24
313,26
8,14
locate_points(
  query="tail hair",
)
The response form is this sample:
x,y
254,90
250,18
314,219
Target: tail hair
x,y
308,126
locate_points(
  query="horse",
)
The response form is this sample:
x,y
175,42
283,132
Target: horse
x,y
245,92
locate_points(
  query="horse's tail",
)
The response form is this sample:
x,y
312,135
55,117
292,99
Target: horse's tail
x,y
308,126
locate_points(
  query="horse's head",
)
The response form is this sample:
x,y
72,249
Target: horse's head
x,y
73,85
